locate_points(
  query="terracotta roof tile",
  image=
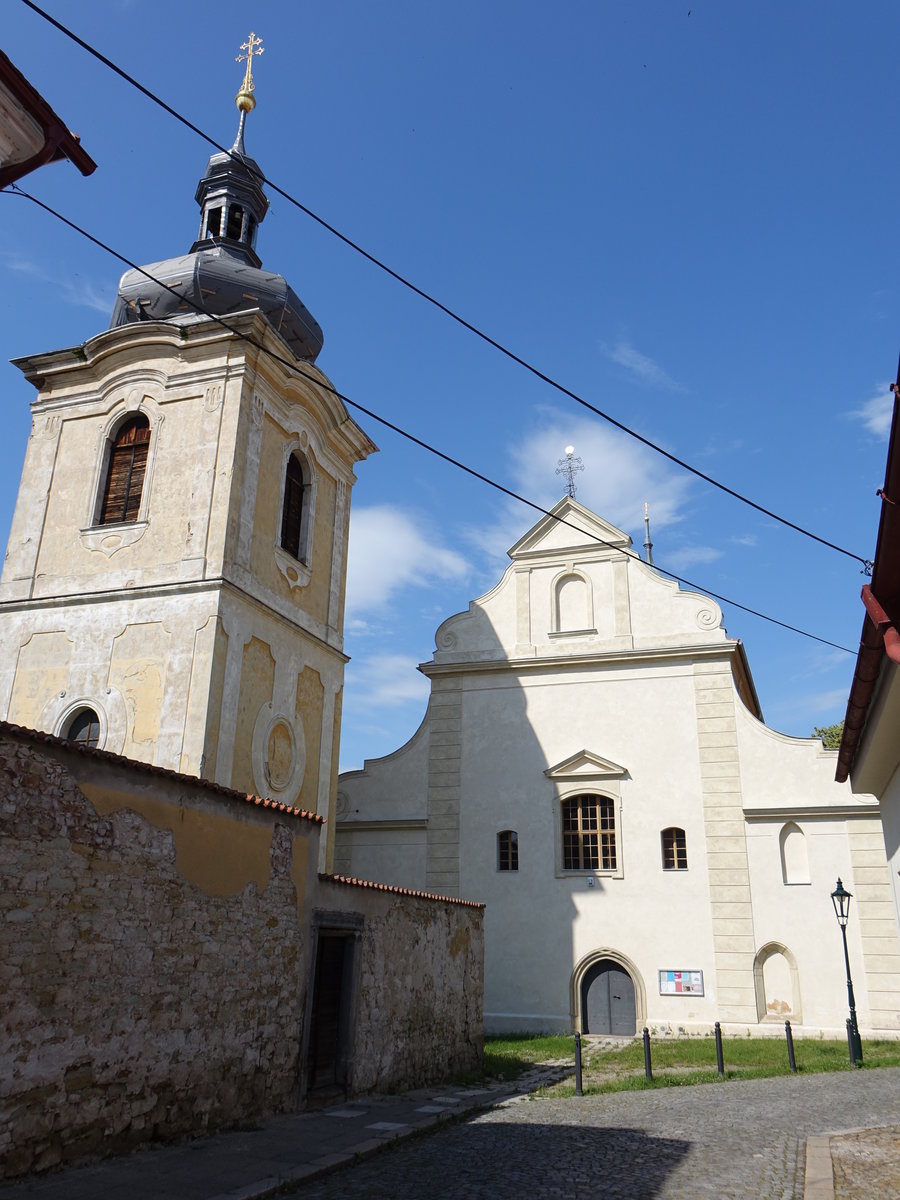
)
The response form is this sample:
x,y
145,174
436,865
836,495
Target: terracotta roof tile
x,y
352,881
219,789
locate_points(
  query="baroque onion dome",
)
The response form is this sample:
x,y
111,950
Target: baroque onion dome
x,y
222,272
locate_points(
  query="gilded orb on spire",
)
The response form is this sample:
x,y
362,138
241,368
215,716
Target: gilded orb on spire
x,y
245,100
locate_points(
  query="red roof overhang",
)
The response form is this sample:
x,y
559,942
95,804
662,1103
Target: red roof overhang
x,y
58,141
885,588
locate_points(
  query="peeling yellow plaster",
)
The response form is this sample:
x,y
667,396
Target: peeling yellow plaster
x,y
300,851
213,851
41,673
310,704
332,794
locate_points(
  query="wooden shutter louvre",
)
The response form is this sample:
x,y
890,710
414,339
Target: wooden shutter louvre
x,y
125,473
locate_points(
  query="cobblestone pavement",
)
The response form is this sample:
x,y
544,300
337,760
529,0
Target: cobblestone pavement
x,y
736,1141
866,1164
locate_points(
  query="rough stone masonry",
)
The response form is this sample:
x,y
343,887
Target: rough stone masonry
x,y
155,959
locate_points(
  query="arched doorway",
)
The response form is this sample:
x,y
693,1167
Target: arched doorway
x,y
607,1000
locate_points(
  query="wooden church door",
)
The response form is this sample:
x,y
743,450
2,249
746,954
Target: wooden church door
x,y
607,1000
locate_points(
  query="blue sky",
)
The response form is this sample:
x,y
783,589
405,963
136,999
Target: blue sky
x,y
686,212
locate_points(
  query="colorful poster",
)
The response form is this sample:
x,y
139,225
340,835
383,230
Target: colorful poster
x,y
681,983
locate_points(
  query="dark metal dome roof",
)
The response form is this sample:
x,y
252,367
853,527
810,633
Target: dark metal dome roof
x,y
222,274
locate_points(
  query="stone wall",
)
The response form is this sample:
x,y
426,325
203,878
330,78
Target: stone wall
x,y
419,1013
156,938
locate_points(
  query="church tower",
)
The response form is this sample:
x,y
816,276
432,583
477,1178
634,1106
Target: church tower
x,y
173,590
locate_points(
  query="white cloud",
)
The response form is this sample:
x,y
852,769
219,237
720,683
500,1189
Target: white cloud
x,y
746,539
876,413
619,475
641,366
386,681
391,549
83,295
688,556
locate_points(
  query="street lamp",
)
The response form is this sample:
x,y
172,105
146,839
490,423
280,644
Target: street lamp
x,y
840,898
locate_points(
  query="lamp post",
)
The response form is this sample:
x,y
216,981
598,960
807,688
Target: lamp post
x,y
840,898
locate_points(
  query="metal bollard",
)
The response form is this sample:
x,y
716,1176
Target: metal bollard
x,y
578,1091
790,1041
720,1058
648,1069
851,1043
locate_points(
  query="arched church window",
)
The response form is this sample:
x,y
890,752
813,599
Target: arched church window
x,y
295,509
589,833
83,728
674,849
507,850
124,483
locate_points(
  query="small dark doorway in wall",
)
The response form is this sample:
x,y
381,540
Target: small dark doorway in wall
x,y
330,1045
607,1000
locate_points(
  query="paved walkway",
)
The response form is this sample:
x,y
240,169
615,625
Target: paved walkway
x,y
764,1139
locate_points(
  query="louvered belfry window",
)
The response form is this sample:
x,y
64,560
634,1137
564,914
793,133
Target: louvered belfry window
x,y
295,489
125,473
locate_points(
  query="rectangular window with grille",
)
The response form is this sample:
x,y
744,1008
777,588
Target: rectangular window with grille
x,y
589,834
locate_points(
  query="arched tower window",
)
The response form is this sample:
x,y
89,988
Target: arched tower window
x,y
295,509
235,222
125,470
674,849
83,728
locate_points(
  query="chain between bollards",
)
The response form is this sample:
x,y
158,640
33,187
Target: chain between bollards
x,y
578,1091
790,1044
648,1069
720,1058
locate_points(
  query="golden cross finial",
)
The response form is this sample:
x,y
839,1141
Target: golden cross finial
x,y
245,99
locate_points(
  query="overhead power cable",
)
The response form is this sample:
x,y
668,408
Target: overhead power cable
x,y
296,368
449,312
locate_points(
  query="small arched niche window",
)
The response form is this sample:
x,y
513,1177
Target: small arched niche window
x,y
125,471
295,509
674,849
572,604
794,859
83,727
507,850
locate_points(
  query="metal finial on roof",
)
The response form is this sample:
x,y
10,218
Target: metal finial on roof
x,y
245,100
568,466
648,545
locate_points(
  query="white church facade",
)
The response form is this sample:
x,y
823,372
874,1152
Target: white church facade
x,y
594,766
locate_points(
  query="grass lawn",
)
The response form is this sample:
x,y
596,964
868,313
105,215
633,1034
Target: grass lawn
x,y
676,1061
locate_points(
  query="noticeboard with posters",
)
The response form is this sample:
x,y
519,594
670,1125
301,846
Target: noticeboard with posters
x,y
681,983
